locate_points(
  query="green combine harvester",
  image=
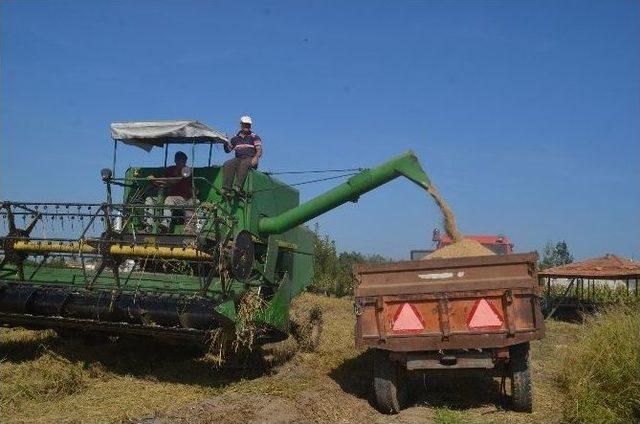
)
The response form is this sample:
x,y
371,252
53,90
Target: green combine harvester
x,y
99,268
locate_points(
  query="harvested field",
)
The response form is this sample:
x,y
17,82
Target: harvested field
x,y
48,379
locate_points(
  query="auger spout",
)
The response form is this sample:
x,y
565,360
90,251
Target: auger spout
x,y
406,165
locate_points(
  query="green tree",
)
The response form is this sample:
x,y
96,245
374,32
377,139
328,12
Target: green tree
x,y
333,272
555,255
325,263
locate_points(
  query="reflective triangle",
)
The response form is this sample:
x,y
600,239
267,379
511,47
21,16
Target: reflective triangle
x,y
407,319
484,315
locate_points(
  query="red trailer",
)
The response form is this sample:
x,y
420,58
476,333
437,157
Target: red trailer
x,y
440,314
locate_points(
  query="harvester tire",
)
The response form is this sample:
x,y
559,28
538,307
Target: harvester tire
x,y
521,388
389,383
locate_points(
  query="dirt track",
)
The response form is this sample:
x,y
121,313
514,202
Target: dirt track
x,y
126,382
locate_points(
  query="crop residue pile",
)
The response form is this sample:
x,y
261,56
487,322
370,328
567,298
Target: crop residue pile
x,y
463,248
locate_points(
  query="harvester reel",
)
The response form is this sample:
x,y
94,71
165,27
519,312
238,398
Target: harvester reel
x,y
242,256
12,256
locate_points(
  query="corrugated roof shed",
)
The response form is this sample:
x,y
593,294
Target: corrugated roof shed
x,y
608,266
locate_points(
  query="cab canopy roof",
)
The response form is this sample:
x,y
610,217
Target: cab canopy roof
x,y
158,133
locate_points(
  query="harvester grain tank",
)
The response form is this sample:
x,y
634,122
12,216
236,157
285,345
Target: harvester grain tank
x,y
108,271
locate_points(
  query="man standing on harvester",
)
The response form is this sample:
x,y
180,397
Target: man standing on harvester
x,y
248,149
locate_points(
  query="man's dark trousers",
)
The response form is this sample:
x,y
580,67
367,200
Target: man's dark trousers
x,y
238,168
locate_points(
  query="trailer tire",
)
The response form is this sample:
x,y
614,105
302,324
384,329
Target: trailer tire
x,y
389,383
521,388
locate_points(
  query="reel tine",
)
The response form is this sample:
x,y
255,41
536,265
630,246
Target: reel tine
x,y
11,220
32,224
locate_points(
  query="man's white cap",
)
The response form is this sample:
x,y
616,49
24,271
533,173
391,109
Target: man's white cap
x,y
245,120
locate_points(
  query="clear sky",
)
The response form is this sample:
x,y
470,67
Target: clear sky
x,y
526,114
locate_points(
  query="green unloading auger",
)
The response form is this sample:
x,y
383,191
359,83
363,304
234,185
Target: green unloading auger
x,y
406,165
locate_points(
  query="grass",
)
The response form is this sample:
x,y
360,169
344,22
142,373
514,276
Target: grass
x,y
447,416
49,378
46,378
601,376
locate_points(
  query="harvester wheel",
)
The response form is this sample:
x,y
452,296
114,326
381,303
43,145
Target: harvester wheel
x,y
389,383
521,390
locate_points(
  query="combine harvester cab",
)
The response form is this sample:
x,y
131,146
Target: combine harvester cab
x,y
108,267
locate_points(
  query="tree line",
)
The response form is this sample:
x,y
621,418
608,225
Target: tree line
x,y
333,270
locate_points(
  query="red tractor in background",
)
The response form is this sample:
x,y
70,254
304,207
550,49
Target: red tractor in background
x,y
499,244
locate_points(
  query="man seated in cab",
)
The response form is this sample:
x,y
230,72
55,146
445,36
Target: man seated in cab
x,y
179,193
248,150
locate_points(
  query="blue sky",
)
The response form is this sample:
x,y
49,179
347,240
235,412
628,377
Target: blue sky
x,y
525,114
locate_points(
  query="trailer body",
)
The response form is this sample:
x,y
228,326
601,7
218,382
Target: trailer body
x,y
474,312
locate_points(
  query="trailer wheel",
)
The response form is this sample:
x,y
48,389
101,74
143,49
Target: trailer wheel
x,y
521,389
389,383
